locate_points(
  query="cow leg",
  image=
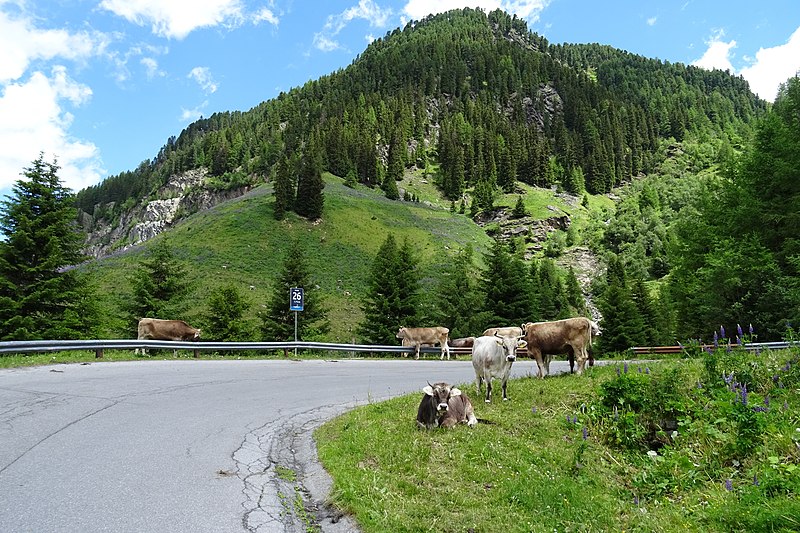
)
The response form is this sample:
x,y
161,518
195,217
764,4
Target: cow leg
x,y
479,385
505,382
445,350
537,355
581,357
571,359
547,359
416,351
488,398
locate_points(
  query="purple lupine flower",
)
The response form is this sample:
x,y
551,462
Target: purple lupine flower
x,y
585,433
722,331
785,406
738,330
568,419
728,485
750,329
699,385
716,340
533,409
755,479
787,367
647,370
616,412
626,367
640,370
575,419
744,395
618,371
635,499
766,400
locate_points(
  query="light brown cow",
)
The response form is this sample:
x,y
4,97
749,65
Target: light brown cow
x,y
418,337
510,331
571,336
463,342
166,330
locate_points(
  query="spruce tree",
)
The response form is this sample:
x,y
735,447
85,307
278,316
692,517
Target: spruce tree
x,y
159,286
283,188
622,323
225,319
310,198
277,321
459,298
393,290
39,298
506,287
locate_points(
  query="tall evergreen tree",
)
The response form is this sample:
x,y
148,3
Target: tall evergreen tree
x,y
506,287
310,198
622,324
283,188
277,321
159,286
39,299
225,318
459,297
393,291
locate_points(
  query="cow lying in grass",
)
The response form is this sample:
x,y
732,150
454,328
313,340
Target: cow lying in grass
x,y
444,406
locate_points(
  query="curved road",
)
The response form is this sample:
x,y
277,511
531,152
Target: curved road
x,y
187,445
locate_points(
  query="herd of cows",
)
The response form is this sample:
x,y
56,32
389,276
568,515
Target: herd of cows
x,y
493,353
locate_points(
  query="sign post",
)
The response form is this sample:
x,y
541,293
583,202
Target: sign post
x,y
296,298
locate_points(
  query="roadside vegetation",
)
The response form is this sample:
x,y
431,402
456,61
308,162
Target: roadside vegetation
x,y
710,443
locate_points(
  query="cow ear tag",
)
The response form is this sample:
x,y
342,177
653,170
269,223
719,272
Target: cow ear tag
x,y
455,392
522,344
427,389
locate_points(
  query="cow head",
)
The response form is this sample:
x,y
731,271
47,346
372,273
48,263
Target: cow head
x,y
441,394
401,333
510,345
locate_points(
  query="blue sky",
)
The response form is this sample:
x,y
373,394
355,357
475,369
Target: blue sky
x,y
102,84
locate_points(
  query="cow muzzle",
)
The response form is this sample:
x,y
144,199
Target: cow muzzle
x,y
441,407
511,358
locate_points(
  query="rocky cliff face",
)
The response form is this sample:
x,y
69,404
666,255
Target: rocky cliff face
x,y
182,195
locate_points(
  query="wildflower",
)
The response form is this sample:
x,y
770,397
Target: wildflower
x,y
616,412
618,371
755,479
722,331
728,485
585,433
640,370
626,367
635,499
699,385
738,331
652,453
750,329
716,340
647,370
766,400
533,409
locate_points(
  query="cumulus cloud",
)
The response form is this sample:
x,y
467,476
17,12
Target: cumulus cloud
x,y
265,15
652,21
21,43
368,10
151,67
175,19
771,67
203,77
190,115
526,9
325,44
33,119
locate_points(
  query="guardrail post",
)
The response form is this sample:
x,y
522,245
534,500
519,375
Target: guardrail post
x,y
98,353
196,353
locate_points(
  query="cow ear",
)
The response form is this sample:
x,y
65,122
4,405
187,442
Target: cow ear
x,y
427,389
455,392
498,340
522,344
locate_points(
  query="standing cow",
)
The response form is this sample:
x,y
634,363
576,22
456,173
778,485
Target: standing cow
x,y
571,336
418,337
445,406
510,331
492,357
165,330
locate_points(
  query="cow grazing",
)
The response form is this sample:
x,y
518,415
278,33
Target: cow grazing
x,y
463,342
571,336
443,405
492,357
166,330
418,337
510,331
589,351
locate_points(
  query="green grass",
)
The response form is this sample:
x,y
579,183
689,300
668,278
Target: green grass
x,y
532,470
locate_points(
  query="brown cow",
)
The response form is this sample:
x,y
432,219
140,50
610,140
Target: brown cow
x,y
463,342
510,331
418,337
571,336
444,406
166,330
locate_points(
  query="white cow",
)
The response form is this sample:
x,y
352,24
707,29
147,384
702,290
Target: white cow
x,y
492,357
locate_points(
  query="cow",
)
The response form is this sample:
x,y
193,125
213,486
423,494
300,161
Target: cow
x,y
418,337
492,357
571,336
443,405
165,330
463,342
589,351
510,331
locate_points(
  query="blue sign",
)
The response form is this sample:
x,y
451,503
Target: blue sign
x,y
296,299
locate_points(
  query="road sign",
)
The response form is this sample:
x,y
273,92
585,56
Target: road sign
x,y
296,299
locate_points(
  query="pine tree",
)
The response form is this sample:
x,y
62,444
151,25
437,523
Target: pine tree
x,y
225,319
277,322
283,188
459,298
392,294
622,323
574,294
39,299
159,286
310,198
506,287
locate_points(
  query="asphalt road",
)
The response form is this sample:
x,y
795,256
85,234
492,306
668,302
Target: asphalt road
x,y
185,445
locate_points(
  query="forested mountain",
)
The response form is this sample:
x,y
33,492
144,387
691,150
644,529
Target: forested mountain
x,y
477,111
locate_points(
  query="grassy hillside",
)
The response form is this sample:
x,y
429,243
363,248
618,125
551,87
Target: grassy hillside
x,y
239,242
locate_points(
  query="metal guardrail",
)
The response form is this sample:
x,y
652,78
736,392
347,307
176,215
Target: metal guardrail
x,y
98,346
750,346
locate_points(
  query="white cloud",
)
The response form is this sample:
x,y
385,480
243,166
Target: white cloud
x,y
151,67
366,9
652,21
33,120
22,43
190,115
203,77
265,14
175,19
717,55
321,42
525,9
773,66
